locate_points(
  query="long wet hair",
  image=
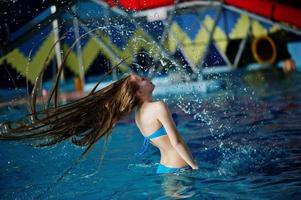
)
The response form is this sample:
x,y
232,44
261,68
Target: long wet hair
x,y
84,121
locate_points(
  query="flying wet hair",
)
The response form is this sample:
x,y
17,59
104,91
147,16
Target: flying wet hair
x,y
84,121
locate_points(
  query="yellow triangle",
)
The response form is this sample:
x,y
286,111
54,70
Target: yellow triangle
x,y
241,27
258,29
31,68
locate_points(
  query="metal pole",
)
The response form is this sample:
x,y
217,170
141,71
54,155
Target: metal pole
x,y
183,5
108,25
193,67
79,52
57,47
209,41
10,45
223,55
167,24
242,46
178,45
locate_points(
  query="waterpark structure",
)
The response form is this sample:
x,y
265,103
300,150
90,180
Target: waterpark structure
x,y
197,37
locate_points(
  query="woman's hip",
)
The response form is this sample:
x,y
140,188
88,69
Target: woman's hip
x,y
163,169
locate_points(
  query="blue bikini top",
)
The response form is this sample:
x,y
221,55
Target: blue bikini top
x,y
158,133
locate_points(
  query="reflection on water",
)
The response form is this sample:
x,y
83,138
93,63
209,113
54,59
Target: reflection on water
x,y
177,186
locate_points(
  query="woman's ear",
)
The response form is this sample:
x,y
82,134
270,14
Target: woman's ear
x,y
139,93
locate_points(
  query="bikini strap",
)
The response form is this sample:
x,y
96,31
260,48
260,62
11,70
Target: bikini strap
x,y
144,147
158,132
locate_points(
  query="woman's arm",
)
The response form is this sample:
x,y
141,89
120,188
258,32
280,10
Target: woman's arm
x,y
176,139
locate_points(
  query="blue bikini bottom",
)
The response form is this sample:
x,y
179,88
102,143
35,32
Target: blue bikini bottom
x,y
162,169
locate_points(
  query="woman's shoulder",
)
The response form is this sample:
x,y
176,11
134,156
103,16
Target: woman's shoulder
x,y
159,105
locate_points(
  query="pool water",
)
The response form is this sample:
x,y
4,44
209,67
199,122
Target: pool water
x,y
245,138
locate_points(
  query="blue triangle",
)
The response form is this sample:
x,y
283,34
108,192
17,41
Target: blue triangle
x,y
213,57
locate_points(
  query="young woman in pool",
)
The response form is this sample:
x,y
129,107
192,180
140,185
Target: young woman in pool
x,y
88,119
156,125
